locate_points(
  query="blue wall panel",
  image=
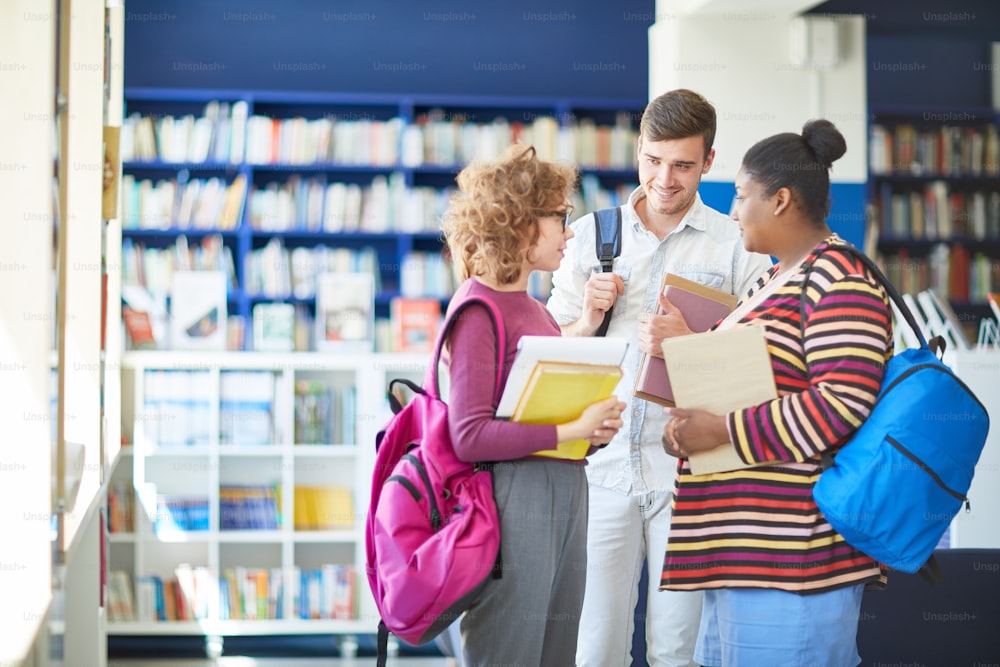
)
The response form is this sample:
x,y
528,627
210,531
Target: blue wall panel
x,y
575,48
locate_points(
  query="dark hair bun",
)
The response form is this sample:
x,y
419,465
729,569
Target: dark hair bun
x,y
825,140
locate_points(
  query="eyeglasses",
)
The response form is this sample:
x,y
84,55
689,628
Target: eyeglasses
x,y
563,215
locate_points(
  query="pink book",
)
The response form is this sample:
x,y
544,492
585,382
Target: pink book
x,y
702,307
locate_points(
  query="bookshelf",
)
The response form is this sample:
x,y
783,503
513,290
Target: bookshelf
x,y
935,207
271,187
252,468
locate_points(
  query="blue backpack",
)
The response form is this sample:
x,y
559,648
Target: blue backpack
x,y
894,488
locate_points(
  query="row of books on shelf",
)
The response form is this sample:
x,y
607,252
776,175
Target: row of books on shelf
x,y
346,321
936,212
945,149
949,269
169,203
270,271
257,507
181,514
388,204
178,404
254,507
276,271
228,133
314,204
217,135
195,593
411,327
319,507
121,507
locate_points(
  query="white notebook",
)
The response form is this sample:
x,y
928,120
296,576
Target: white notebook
x,y
578,349
720,371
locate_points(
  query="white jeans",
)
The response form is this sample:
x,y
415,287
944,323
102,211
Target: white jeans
x,y
621,533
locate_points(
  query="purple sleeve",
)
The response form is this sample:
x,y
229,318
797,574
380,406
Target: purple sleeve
x,y
476,435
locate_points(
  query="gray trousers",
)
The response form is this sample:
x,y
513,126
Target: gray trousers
x,y
530,617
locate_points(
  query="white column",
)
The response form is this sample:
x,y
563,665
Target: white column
x,y
740,60
27,66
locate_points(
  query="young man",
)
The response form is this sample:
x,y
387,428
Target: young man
x,y
665,228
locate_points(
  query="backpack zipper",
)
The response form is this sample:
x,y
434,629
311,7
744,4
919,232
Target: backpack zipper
x,y
422,471
923,466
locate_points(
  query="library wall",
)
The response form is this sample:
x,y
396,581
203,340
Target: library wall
x,y
575,48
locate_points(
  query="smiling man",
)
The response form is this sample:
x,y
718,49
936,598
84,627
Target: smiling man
x,y
665,228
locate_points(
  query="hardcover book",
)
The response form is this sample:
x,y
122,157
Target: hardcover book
x,y
720,371
702,307
139,328
415,324
345,312
274,327
198,310
559,392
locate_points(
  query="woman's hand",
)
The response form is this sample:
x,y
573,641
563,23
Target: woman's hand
x,y
597,424
692,431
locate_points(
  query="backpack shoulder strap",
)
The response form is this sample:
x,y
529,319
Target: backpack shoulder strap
x,y
608,245
935,344
498,330
608,235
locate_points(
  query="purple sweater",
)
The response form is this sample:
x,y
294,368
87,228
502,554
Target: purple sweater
x,y
476,435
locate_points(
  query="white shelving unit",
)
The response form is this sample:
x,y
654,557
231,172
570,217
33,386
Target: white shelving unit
x,y
979,528
201,469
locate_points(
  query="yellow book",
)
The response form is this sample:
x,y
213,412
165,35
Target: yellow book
x,y
559,392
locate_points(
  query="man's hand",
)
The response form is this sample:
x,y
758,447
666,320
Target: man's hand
x,y
655,327
600,293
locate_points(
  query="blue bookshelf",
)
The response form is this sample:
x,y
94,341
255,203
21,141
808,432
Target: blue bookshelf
x,y
280,161
934,202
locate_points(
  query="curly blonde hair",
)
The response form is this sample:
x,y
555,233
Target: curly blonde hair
x,y
492,219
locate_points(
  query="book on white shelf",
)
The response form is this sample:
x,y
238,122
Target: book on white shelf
x,y
198,310
903,336
415,323
936,322
345,312
140,300
246,410
993,300
274,327
918,315
989,334
950,320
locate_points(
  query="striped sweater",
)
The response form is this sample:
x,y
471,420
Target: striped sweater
x,y
760,527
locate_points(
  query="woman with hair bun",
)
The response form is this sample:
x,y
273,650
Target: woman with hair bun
x,y
782,587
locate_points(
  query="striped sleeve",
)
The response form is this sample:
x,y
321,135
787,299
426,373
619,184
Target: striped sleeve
x,y
845,350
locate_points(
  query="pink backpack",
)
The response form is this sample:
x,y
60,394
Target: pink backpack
x,y
432,537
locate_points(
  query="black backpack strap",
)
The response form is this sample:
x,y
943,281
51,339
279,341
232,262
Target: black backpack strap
x,y
608,245
382,645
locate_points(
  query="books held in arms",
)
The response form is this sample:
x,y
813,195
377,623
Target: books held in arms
x,y
720,371
198,310
702,307
558,392
345,312
414,324
553,379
